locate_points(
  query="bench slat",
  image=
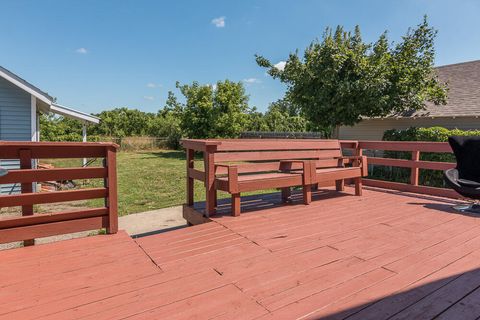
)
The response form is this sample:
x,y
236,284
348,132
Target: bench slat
x,y
276,144
276,155
253,167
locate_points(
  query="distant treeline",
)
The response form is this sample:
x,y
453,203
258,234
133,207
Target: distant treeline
x,y
219,111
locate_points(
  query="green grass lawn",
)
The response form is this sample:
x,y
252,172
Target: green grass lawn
x,y
147,180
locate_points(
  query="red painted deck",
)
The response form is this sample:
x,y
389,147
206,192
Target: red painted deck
x,y
386,255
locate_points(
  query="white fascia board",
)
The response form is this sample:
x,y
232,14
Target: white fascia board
x,y
33,117
68,112
26,88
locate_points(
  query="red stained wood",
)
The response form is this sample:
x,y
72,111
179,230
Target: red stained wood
x,y
52,224
25,156
439,192
51,197
271,163
384,255
12,222
191,175
275,144
111,186
275,155
209,166
406,146
40,175
402,163
52,228
50,150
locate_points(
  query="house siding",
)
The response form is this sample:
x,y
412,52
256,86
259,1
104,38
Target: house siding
x,y
373,129
15,121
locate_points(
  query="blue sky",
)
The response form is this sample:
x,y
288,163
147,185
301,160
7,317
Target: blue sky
x,y
96,55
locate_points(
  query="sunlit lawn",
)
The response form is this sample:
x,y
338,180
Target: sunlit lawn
x,y
147,180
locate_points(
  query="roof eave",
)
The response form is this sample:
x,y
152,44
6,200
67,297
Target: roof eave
x,y
22,84
71,113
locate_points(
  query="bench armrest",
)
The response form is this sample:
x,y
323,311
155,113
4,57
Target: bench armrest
x,y
308,168
362,162
228,166
232,173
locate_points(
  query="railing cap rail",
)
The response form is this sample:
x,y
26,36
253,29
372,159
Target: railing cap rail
x,y
28,144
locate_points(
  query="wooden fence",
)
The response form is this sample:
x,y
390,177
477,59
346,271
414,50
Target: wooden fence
x,y
415,164
30,226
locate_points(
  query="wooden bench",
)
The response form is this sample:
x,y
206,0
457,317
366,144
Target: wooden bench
x,y
242,165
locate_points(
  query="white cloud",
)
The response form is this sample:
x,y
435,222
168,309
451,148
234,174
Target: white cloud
x,y
153,85
149,98
81,51
251,80
219,22
280,65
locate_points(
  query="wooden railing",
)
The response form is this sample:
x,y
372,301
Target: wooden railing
x,y
30,225
415,164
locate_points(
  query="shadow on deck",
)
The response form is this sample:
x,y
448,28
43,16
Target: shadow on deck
x,y
386,255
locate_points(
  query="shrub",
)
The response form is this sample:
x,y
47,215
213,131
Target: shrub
x,y
432,178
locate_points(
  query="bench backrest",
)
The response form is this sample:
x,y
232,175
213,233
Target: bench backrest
x,y
261,155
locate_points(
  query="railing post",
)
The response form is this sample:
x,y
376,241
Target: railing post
x,y
111,185
209,162
25,156
190,181
415,171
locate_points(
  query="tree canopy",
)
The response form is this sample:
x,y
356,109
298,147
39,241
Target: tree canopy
x,y
342,79
214,111
206,111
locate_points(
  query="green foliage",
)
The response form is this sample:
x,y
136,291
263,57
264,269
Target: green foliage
x,y
123,122
342,79
282,116
220,111
427,177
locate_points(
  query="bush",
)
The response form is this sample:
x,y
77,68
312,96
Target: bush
x,y
432,178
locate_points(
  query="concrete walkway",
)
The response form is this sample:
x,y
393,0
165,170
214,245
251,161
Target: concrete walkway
x,y
136,224
151,222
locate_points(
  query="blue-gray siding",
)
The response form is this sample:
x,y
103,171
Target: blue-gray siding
x,y
15,120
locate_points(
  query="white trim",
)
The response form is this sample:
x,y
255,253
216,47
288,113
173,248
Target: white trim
x,y
84,139
84,132
38,126
68,112
26,88
33,118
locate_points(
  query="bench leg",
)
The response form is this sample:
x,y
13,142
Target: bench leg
x,y
235,204
307,194
340,185
358,186
286,193
215,202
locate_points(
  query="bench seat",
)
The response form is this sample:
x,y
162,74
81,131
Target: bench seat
x,y
253,182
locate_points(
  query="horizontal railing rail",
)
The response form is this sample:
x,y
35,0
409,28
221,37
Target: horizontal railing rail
x,y
415,148
34,225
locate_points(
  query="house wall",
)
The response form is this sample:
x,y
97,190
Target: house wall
x,y
373,129
15,120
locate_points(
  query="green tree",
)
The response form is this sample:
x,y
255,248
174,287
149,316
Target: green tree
x,y
197,117
209,112
283,116
230,108
341,79
123,122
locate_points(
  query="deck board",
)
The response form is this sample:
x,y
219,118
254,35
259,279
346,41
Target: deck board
x,y
385,255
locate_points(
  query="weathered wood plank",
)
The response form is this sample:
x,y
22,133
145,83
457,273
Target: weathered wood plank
x,y
41,175
52,197
276,155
